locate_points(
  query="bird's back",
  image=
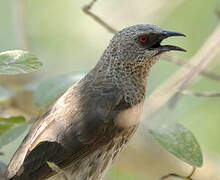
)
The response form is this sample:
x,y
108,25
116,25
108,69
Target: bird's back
x,y
79,130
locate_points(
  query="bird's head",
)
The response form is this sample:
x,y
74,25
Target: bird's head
x,y
140,44
130,55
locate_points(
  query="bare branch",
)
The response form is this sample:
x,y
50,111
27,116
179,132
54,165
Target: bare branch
x,y
175,59
201,94
169,58
87,10
181,61
189,177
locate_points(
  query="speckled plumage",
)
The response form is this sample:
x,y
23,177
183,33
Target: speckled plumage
x,y
88,126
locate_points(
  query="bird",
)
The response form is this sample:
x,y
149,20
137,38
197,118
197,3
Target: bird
x,y
84,131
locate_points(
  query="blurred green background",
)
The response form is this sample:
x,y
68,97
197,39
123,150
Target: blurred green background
x,y
66,40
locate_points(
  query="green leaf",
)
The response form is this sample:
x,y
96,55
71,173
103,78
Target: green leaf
x,y
15,119
8,123
18,61
12,134
49,90
179,141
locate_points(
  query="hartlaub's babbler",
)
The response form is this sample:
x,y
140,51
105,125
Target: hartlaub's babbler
x,y
87,127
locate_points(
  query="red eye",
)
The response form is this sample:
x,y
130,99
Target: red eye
x,y
143,38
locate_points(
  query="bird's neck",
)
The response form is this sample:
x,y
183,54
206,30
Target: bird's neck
x,y
130,78
133,83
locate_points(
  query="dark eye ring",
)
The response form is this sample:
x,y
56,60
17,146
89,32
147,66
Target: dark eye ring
x,y
142,38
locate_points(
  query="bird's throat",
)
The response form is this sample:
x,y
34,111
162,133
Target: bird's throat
x,y
133,84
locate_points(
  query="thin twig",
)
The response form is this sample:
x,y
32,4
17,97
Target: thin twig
x,y
193,172
201,94
87,10
189,177
174,175
181,61
217,12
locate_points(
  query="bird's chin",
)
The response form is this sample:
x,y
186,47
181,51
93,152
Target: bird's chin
x,y
165,48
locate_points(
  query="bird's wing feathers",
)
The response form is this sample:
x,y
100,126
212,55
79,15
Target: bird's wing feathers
x,y
67,132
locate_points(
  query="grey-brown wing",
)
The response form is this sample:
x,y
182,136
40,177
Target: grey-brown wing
x,y
69,133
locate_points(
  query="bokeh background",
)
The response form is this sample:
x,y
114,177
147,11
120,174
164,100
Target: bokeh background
x,y
66,40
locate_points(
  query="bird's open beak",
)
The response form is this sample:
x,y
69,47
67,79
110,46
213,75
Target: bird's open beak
x,y
164,48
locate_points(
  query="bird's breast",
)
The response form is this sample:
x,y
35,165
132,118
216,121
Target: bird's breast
x,y
95,165
129,117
